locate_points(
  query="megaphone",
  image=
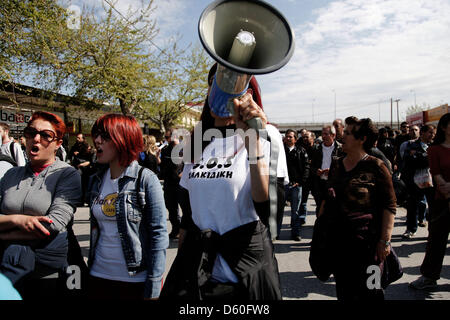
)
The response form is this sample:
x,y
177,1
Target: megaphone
x,y
245,37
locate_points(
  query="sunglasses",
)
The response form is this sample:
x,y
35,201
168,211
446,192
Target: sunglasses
x,y
46,135
104,135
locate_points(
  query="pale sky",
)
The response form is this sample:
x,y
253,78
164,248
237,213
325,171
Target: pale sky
x,y
359,53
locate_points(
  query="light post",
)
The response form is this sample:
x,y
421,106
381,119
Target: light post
x,y
398,117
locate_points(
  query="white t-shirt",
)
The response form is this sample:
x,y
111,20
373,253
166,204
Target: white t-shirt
x,y
18,153
282,171
326,158
109,262
220,191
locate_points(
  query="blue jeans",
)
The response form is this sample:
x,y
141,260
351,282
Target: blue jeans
x,y
295,196
303,211
417,206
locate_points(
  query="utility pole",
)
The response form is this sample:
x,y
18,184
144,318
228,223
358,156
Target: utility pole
x,y
398,118
313,110
391,113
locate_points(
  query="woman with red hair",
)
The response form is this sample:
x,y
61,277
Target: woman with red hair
x,y
128,219
37,205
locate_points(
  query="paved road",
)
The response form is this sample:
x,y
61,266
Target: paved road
x,y
297,279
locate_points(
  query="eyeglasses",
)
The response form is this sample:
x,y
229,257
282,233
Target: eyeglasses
x,y
104,135
46,135
167,137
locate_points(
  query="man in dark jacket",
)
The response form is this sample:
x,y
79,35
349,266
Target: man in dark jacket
x,y
170,173
321,159
386,145
298,170
307,142
80,157
416,158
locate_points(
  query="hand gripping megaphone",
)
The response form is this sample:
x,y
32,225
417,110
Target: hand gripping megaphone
x,y
245,37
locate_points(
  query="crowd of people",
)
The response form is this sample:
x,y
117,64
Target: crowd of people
x,y
356,173
366,173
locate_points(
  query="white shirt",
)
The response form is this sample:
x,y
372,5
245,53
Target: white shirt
x,y
220,191
326,158
18,153
109,262
282,171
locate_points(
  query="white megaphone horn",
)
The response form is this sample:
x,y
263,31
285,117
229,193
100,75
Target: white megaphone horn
x,y
245,38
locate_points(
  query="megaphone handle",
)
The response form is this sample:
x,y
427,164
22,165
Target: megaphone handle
x,y
255,123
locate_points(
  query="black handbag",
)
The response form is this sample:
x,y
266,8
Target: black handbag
x,y
321,254
391,269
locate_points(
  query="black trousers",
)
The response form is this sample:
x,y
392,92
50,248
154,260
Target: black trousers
x,y
281,200
104,289
172,200
319,191
438,231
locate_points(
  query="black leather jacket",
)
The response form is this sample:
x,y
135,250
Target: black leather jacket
x,y
415,157
298,164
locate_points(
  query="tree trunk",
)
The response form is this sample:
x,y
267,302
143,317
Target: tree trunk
x,y
124,107
127,108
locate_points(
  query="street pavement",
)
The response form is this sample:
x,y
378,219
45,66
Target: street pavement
x,y
297,280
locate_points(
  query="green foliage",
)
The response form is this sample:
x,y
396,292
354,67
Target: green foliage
x,y
110,58
181,79
30,38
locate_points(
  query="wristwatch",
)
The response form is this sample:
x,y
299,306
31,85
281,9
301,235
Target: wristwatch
x,y
386,243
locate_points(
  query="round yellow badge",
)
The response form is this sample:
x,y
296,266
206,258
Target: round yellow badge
x,y
109,205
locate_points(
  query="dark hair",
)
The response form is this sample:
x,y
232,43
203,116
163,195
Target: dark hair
x,y
382,131
211,73
125,134
440,132
363,128
426,127
169,130
293,131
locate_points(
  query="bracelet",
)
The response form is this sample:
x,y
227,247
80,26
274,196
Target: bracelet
x,y
255,158
385,242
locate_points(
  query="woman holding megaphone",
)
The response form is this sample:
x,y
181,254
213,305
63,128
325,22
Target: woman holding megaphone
x,y
225,249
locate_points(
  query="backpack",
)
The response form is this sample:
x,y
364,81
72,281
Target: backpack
x,y
4,157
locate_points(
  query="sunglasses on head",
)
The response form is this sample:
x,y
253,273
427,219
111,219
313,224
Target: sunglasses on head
x,y
46,135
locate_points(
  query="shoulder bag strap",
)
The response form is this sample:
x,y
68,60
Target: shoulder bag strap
x,y
138,188
11,149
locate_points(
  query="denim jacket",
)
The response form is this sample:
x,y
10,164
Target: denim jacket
x,y
143,235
